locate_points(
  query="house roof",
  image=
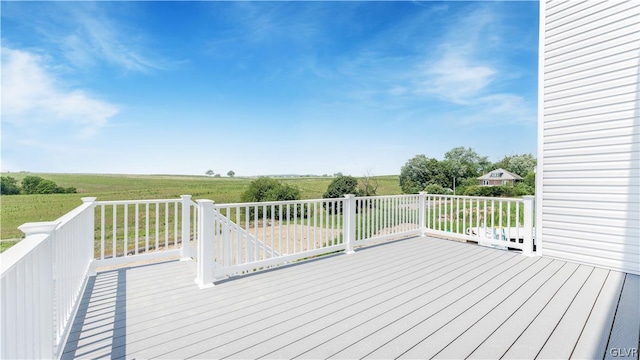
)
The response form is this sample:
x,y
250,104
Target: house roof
x,y
500,174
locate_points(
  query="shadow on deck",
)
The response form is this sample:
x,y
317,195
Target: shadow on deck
x,y
415,298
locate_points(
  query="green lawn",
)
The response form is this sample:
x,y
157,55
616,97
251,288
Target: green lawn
x,y
16,210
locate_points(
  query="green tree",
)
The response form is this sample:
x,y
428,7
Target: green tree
x,y
210,172
522,164
530,179
518,164
267,189
421,171
9,186
231,173
47,187
465,163
30,183
341,186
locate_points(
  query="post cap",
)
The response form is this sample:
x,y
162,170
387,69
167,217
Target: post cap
x,y
88,199
204,201
34,228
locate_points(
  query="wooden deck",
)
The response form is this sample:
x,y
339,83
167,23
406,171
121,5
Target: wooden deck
x,y
416,298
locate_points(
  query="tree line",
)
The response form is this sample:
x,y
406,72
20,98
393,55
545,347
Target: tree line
x,y
32,185
460,170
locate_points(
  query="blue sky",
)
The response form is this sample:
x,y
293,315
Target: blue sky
x,y
264,87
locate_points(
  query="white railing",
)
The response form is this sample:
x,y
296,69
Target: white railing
x,y
132,230
240,238
386,217
43,278
249,236
497,222
244,238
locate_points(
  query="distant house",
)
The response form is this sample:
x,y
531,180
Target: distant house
x,y
498,177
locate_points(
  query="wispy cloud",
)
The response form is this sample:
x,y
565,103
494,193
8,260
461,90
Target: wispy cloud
x,y
99,37
33,97
456,78
88,34
469,69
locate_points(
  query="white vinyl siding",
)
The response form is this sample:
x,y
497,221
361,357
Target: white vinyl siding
x,y
589,171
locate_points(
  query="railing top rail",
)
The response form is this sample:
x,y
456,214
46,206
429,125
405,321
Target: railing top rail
x,y
269,203
62,220
477,197
17,252
387,196
133,202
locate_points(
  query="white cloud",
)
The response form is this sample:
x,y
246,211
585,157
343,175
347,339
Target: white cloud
x,y
97,38
32,96
89,34
456,78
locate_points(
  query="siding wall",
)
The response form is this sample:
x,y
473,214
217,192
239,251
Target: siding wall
x,y
589,132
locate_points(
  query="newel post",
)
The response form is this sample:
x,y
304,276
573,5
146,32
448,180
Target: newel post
x,y
527,246
42,270
422,213
349,222
185,249
206,239
90,228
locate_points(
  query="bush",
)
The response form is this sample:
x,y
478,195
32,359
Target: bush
x,y
30,183
530,179
9,186
435,189
266,189
340,186
522,189
504,190
474,190
38,185
519,189
46,187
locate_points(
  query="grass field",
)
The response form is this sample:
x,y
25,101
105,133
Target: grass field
x,y
16,210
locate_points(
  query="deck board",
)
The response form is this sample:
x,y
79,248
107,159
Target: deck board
x,y
500,340
625,331
564,337
416,298
335,333
531,341
360,311
495,307
594,338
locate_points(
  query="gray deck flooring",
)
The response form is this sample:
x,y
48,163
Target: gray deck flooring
x,y
417,298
